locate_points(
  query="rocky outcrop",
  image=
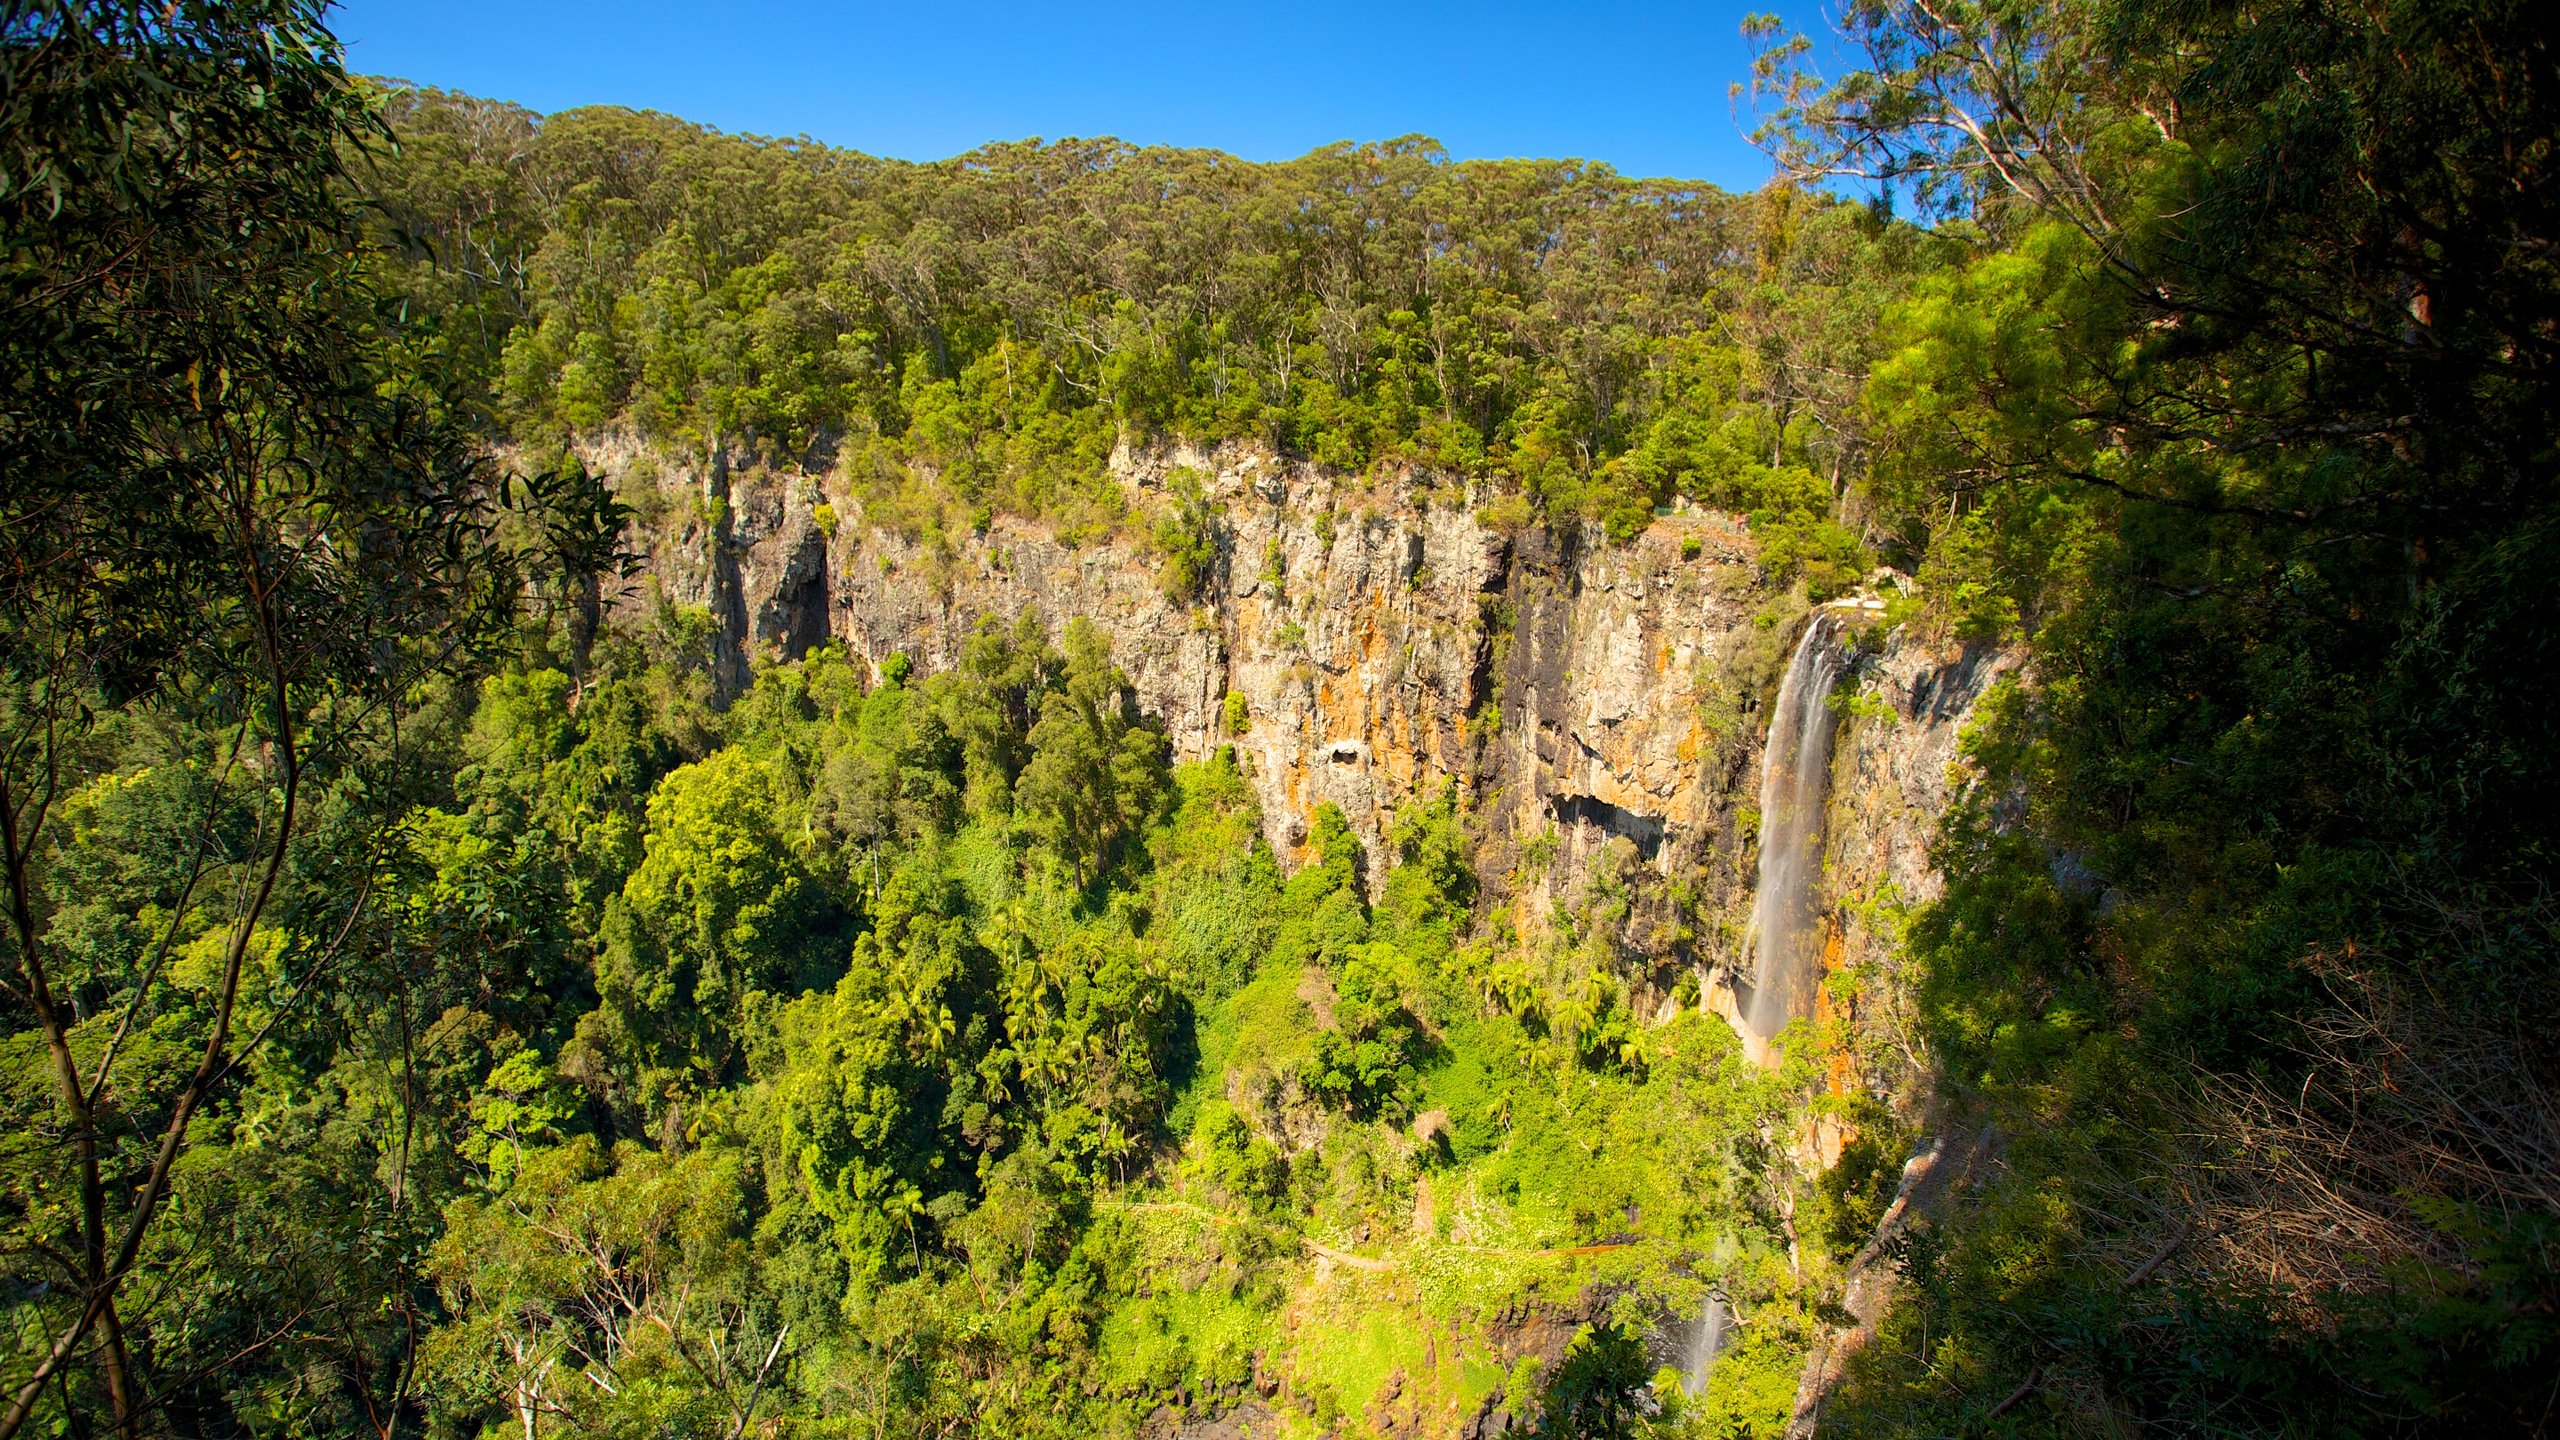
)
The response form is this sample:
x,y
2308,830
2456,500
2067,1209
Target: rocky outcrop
x,y
1893,776
1382,641
1896,768
1894,772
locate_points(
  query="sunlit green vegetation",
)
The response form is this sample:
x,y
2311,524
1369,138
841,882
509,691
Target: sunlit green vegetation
x,y
441,1005
974,336
934,1036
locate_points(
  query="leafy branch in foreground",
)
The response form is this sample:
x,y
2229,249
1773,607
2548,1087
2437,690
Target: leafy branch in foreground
x,y
2241,422
227,523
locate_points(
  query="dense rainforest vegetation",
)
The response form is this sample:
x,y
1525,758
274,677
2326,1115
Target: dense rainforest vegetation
x,y
1000,321
442,1002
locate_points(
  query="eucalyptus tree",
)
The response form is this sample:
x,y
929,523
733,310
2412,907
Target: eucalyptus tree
x,y
239,550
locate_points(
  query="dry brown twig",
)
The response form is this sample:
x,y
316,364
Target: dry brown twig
x,y
2405,1103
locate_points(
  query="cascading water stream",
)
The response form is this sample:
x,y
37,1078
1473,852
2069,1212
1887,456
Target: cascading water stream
x,y
1706,1337
1795,777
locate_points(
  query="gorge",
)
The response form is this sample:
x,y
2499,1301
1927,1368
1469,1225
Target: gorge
x,y
1382,644
661,783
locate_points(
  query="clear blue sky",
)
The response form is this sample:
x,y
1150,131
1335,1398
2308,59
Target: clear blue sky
x,y
1641,87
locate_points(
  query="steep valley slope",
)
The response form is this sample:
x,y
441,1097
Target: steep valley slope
x,y
1368,643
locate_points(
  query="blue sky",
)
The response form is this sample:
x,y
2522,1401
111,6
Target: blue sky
x,y
1641,87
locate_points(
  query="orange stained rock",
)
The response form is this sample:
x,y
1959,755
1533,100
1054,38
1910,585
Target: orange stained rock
x,y
1832,954
1395,754
1824,1139
1839,1074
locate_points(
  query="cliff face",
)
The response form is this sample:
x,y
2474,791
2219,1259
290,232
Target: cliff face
x,y
1383,641
1593,699
1893,775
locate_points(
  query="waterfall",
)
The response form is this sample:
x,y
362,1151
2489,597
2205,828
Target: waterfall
x,y
1705,1339
1794,777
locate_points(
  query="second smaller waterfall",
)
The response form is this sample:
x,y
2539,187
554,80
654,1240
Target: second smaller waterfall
x,y
1706,1337
1795,780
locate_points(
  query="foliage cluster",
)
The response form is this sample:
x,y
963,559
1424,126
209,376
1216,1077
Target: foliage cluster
x,y
2241,425
974,336
850,1069
435,1006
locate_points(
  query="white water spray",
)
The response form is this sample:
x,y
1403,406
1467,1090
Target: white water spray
x,y
1794,778
1706,1337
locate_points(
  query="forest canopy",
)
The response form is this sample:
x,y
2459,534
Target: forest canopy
x,y
1001,320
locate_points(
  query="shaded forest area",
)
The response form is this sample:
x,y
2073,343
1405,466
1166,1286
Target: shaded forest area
x,y
436,1006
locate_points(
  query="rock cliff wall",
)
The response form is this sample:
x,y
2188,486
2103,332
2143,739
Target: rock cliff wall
x,y
1893,774
1591,699
1384,641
